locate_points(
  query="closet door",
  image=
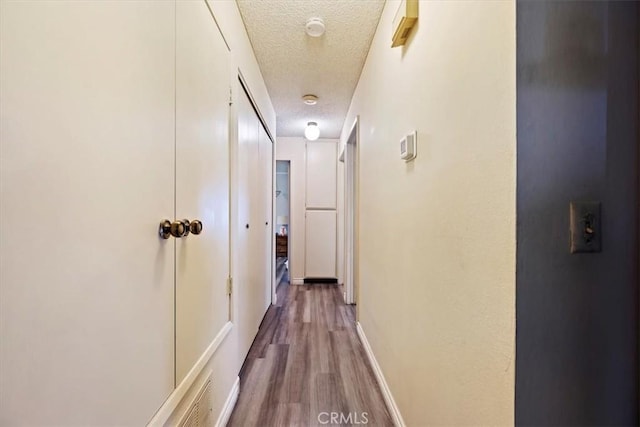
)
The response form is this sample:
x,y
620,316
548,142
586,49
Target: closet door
x,y
320,249
322,173
320,214
249,295
202,182
86,175
265,184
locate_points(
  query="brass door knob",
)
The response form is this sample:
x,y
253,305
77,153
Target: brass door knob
x,y
168,229
177,229
165,229
187,227
195,227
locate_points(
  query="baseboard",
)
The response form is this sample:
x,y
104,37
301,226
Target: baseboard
x,y
297,281
174,399
229,404
320,280
384,387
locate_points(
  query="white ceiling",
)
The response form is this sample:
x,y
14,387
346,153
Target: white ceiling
x,y
294,64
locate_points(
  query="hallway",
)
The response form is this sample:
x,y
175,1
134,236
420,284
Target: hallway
x,y
174,173
306,363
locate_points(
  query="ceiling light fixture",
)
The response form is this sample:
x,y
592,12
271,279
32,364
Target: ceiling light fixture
x,y
312,131
315,27
310,99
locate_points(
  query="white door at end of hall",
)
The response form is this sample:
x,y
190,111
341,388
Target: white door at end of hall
x,y
320,249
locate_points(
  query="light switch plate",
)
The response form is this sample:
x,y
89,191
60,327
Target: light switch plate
x,y
585,221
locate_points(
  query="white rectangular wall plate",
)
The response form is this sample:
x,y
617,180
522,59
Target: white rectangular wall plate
x,y
409,146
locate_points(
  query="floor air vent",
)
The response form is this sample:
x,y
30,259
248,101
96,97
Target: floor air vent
x,y
200,411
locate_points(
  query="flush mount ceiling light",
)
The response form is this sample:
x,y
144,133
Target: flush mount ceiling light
x,y
312,131
310,99
315,27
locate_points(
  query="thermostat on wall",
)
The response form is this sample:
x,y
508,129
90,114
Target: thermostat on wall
x,y
408,147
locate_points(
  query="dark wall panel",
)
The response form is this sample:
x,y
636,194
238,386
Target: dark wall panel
x,y
577,118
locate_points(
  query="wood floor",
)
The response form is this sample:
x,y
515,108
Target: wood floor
x,y
306,363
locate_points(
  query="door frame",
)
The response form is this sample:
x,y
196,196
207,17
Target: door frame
x,y
352,213
638,191
288,162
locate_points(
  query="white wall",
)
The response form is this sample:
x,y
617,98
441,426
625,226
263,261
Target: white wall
x,y
437,235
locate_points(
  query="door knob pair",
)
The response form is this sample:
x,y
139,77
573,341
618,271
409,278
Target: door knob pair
x,y
179,229
193,227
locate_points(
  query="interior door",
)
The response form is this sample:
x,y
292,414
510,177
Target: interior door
x,y
322,175
266,184
251,285
202,182
320,249
321,226
86,175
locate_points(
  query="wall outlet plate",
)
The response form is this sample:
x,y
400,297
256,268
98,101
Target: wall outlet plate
x,y
585,221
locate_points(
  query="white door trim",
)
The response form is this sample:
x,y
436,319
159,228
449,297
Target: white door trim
x,y
351,155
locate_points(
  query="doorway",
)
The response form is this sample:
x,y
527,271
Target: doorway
x,y
283,205
351,215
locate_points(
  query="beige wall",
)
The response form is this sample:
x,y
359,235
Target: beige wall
x,y
437,260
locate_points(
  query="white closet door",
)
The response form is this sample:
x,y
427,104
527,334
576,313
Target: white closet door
x,y
202,182
322,166
86,175
320,250
247,286
266,198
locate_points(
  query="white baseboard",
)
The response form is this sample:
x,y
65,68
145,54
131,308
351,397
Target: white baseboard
x,y
174,399
297,281
386,392
230,403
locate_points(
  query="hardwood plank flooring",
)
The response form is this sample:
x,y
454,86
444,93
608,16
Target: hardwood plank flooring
x,y
306,363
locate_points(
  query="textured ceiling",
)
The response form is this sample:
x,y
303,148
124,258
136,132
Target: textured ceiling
x,y
294,64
